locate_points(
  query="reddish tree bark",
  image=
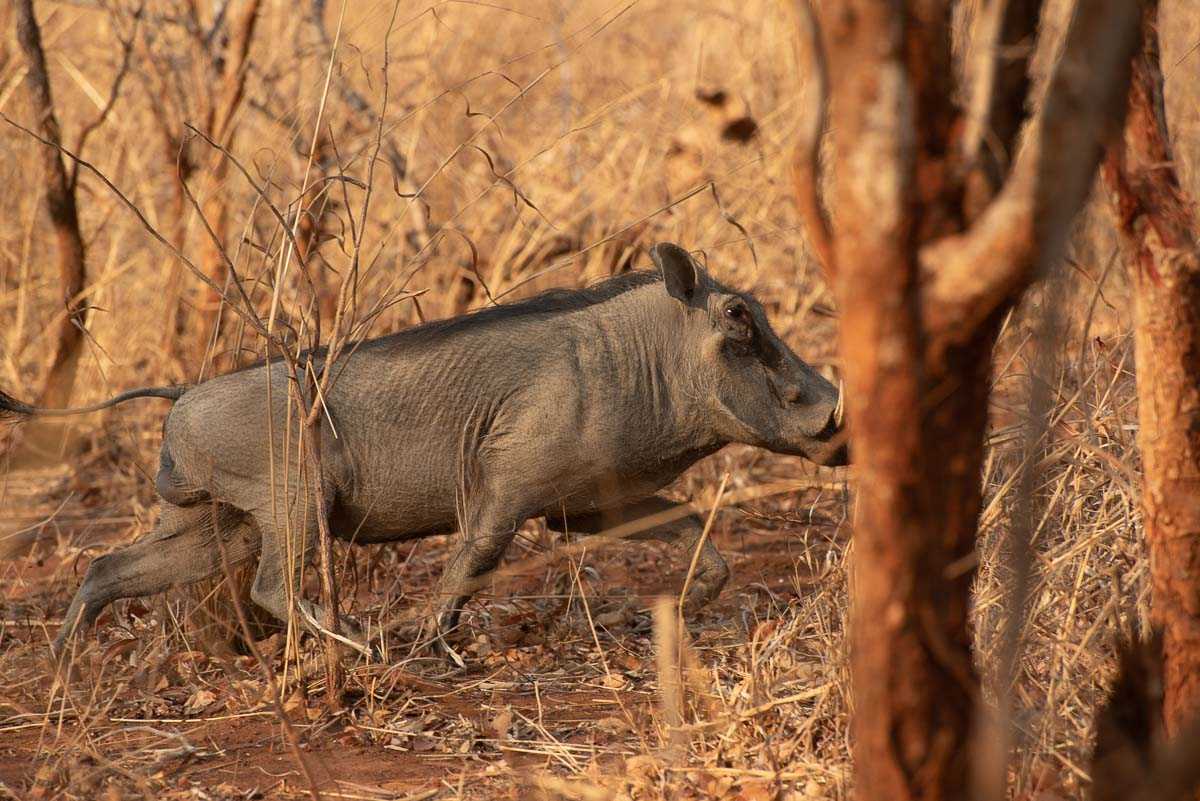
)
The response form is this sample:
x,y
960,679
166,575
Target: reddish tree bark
x,y
1157,222
912,697
64,216
923,272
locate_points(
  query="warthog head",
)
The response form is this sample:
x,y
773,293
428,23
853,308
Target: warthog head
x,y
760,392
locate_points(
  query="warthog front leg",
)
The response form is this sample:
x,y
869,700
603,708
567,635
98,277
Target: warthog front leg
x,y
182,549
711,570
486,537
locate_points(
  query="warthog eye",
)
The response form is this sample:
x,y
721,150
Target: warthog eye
x,y
739,325
738,328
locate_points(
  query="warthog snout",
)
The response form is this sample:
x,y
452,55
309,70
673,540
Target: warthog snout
x,y
817,432
761,393
831,447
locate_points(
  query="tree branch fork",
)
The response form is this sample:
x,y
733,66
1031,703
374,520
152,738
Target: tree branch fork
x,y
966,277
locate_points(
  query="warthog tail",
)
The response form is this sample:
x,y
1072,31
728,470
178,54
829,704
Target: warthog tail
x,y
13,409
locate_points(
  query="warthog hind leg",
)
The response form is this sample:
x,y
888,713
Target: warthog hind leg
x,y
182,549
711,570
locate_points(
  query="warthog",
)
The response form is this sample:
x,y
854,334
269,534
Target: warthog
x,y
577,406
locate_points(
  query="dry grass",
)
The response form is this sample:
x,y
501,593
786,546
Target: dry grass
x,y
551,145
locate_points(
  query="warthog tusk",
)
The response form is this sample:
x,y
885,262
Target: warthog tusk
x,y
839,411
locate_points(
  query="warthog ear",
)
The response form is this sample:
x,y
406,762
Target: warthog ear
x,y
678,269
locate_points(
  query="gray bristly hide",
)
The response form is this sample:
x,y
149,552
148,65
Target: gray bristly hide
x,y
574,405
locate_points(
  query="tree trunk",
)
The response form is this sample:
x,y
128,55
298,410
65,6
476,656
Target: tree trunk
x,y
64,217
923,271
1158,233
911,665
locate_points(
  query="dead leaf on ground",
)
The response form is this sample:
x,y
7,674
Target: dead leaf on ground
x,y
199,701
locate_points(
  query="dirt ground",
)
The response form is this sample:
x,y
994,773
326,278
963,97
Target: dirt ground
x,y
559,678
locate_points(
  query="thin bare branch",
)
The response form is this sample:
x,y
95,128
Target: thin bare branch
x,y
114,91
806,162
289,731
999,95
967,277
233,78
